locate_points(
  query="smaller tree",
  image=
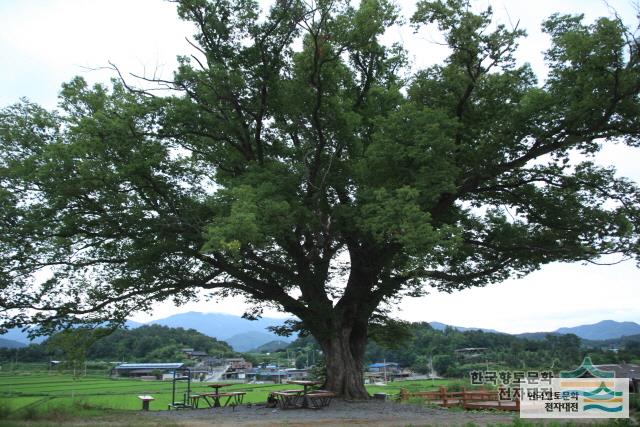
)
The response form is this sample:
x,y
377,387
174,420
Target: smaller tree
x,y
74,345
633,348
444,364
422,365
301,361
170,352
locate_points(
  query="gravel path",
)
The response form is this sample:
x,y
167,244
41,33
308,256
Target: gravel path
x,y
339,413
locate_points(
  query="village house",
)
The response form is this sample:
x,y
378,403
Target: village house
x,y
625,370
275,375
388,367
238,363
470,352
622,370
191,353
377,372
148,370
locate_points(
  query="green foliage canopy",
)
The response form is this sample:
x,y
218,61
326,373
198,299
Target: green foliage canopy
x,y
296,137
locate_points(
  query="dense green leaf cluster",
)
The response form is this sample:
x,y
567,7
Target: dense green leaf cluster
x,y
428,347
152,343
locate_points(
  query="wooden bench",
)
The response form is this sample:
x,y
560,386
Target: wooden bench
x,y
319,398
287,399
235,398
298,392
468,399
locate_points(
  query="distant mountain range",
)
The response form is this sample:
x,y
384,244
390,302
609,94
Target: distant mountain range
x,y
17,335
604,330
246,341
272,346
244,335
5,343
218,325
601,331
239,333
442,326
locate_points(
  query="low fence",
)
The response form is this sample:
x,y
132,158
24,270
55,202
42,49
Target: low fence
x,y
467,399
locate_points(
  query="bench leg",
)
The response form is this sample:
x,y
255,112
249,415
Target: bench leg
x,y
319,402
235,399
288,402
227,401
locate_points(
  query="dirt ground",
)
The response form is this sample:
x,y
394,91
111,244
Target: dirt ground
x,y
339,413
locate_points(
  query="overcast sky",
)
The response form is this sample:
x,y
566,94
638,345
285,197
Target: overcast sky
x,y
46,42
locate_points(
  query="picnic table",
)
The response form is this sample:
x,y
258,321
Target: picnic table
x,y
235,397
291,399
305,384
218,386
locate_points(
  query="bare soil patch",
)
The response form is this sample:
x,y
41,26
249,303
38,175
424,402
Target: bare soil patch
x,y
339,413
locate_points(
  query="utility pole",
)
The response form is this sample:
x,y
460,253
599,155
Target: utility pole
x,y
431,369
384,366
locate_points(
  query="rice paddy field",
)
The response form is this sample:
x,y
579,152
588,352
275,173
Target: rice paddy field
x,y
42,391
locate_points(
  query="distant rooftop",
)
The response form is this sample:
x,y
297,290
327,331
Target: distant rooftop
x,y
622,370
150,366
382,365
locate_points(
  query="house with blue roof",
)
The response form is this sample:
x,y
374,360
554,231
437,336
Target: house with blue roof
x,y
388,367
145,369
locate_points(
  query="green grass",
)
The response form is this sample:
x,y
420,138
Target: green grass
x,y
46,392
42,400
420,385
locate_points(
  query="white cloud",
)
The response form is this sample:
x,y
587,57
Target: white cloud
x,y
557,295
47,42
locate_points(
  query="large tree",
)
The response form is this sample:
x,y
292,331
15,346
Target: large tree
x,y
296,160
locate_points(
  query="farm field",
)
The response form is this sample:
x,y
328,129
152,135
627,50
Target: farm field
x,y
46,391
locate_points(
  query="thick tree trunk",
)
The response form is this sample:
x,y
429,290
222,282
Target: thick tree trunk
x,y
344,356
342,330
